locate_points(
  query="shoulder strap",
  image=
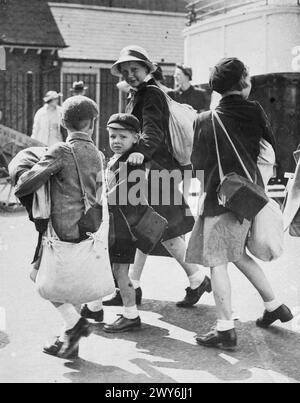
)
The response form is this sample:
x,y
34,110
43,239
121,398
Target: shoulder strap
x,y
216,115
221,172
87,204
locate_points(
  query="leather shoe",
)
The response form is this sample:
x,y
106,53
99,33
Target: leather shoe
x,y
193,296
72,338
88,314
123,325
283,313
117,298
54,350
224,340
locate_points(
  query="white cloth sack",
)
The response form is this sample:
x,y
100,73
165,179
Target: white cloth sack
x,y
77,273
181,127
41,205
266,161
266,240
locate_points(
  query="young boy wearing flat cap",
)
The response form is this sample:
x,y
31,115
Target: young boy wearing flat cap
x,y
123,132
67,208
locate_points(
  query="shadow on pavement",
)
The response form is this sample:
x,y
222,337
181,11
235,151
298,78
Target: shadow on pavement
x,y
4,340
164,351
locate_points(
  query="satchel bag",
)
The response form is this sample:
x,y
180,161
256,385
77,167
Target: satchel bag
x,y
266,240
181,128
77,273
149,230
240,195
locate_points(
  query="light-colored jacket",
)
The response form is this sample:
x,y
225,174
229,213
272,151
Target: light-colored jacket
x,y
41,127
58,166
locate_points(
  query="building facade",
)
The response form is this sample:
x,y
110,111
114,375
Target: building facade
x,y
95,34
31,40
264,34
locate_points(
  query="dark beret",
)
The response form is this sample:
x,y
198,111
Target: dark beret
x,y
227,73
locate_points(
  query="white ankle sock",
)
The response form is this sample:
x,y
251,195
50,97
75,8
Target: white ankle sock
x,y
224,325
136,284
196,280
131,312
95,306
70,316
272,305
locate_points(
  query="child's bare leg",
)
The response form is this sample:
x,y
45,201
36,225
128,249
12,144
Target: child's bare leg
x,y
222,291
121,272
256,276
130,320
136,270
275,310
177,248
224,335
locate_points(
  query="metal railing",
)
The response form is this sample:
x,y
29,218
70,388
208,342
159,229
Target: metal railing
x,y
203,9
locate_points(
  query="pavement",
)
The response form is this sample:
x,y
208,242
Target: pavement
x,y
164,350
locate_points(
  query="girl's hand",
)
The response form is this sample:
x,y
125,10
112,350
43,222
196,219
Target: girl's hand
x,y
136,159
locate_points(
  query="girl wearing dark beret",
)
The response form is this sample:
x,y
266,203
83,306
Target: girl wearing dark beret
x,y
218,237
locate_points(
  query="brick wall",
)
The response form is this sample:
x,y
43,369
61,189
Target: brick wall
x,y
18,100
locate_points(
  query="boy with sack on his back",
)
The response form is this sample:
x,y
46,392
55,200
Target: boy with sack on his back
x,y
67,208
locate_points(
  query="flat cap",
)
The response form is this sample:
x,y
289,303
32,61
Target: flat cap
x,y
124,121
227,73
78,108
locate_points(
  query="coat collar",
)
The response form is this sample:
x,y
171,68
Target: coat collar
x,y
79,136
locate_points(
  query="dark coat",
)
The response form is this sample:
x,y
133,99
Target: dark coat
x,y
194,97
123,246
149,105
247,124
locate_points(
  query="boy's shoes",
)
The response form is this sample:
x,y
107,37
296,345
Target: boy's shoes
x,y
224,340
88,314
193,296
54,349
283,313
117,299
123,325
72,338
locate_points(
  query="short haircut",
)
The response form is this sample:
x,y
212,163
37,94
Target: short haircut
x,y
242,84
77,125
78,110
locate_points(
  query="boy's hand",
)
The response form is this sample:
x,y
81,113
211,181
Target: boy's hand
x,y
136,159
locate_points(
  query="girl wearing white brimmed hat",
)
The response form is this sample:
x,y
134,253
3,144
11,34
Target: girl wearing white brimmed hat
x,y
148,103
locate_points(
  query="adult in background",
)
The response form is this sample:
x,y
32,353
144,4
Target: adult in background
x,y
78,88
158,76
47,127
185,92
148,103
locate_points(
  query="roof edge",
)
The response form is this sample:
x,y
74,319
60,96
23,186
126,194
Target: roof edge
x,y
117,9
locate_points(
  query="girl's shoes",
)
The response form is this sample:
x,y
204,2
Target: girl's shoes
x,y
214,339
283,313
193,296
